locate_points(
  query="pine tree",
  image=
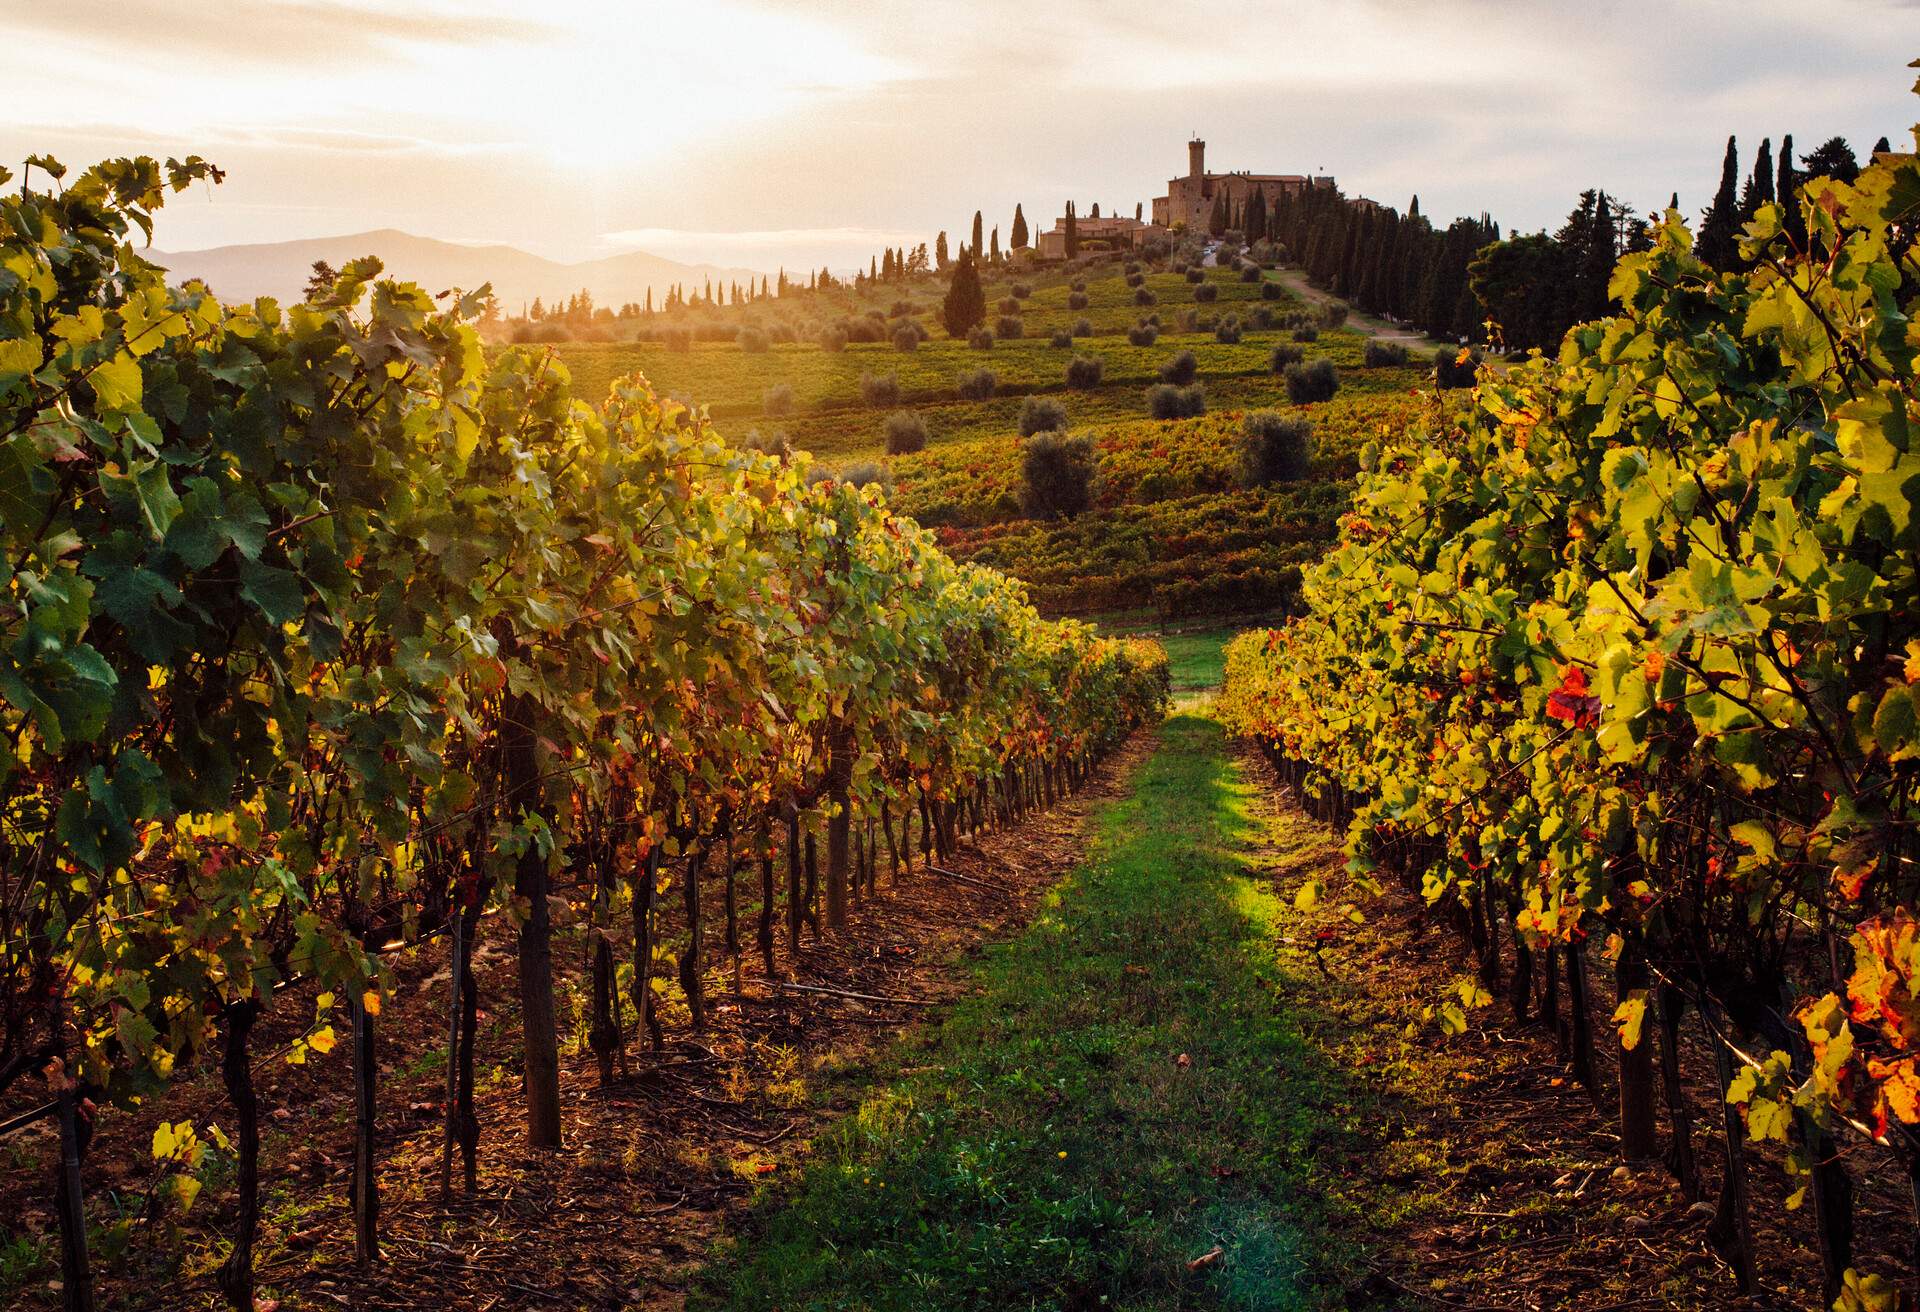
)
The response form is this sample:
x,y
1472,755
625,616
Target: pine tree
x,y
965,307
1832,158
1717,243
1019,234
1882,147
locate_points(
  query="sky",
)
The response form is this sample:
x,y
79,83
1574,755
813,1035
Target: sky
x,y
772,133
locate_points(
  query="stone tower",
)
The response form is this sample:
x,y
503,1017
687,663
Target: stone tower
x,y
1196,158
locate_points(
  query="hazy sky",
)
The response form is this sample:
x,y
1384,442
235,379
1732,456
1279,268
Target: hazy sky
x,y
761,132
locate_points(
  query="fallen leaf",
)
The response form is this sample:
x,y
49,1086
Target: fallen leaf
x,y
1207,1258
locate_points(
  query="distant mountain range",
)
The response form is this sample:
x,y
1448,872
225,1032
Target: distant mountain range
x,y
280,269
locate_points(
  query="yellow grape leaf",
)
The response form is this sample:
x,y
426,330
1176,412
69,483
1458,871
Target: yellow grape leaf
x,y
1308,897
370,1000
322,1040
185,1189
1630,1018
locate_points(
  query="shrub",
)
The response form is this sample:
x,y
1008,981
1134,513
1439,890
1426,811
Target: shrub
x,y
980,337
1143,334
1269,291
1207,291
773,442
1227,330
540,333
1312,382
1145,296
1083,328
833,337
1306,334
880,389
1008,327
866,329
867,473
1334,315
1260,317
1041,414
1181,369
1455,368
1284,356
1250,273
1136,279
1196,275
1077,301
679,339
776,400
1062,338
1021,291
906,433
1383,355
1079,285
1179,266
1165,401
906,338
1008,305
1132,266
1274,448
977,385
1085,371
1056,475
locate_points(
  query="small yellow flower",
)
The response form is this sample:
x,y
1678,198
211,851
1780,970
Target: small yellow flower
x,y
1063,1155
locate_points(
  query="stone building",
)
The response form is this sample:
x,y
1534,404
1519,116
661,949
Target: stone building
x,y
1190,200
1110,233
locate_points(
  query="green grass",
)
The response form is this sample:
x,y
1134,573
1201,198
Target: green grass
x,y
1129,1087
1198,659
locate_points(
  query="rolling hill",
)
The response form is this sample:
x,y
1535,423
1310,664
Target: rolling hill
x,y
279,269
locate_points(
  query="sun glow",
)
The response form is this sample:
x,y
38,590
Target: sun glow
x,y
616,84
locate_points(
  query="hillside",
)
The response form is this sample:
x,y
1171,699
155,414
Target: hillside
x,y
279,269
1171,531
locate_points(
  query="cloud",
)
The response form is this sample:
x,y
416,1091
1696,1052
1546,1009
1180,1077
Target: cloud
x,y
817,134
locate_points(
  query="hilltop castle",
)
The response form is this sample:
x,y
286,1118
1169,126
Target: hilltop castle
x,y
1189,200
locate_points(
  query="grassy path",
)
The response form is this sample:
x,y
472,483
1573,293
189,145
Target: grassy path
x,y
1129,1089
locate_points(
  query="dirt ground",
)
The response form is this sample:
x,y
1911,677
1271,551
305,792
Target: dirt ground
x,y
1504,1188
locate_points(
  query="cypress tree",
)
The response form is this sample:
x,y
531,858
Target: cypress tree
x,y
1073,232
1019,233
966,305
1759,188
1786,189
1717,244
1217,222
940,251
979,234
1256,219
1881,147
993,256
